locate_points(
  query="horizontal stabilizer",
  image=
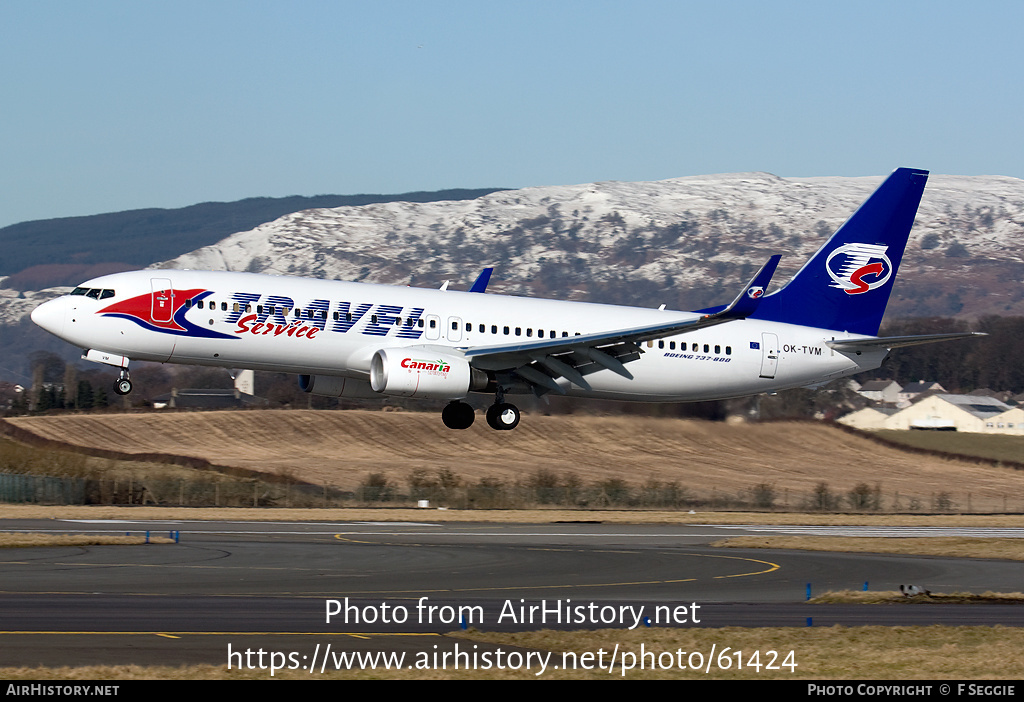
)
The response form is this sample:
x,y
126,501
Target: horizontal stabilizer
x,y
892,342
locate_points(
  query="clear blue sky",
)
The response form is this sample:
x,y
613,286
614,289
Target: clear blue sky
x,y
113,105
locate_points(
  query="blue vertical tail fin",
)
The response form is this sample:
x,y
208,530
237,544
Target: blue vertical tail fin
x,y
846,284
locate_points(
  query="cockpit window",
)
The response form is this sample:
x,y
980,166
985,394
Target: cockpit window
x,y
94,293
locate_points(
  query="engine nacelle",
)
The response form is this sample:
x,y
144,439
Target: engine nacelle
x,y
424,374
335,386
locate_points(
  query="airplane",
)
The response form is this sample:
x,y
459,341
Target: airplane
x,y
360,340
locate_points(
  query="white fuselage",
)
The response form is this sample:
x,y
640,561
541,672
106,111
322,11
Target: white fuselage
x,y
250,321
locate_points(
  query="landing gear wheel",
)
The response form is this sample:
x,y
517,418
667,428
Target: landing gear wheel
x,y
458,415
502,416
123,386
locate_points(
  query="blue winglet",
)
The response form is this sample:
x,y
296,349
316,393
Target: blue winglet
x,y
747,301
481,281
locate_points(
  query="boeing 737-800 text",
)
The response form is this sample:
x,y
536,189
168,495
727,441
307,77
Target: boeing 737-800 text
x,y
360,340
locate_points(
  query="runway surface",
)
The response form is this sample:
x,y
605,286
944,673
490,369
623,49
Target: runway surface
x,y
401,586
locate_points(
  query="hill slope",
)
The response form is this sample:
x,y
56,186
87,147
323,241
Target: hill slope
x,y
340,447
69,250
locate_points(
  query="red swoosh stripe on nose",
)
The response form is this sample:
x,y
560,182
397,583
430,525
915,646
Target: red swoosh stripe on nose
x,y
141,307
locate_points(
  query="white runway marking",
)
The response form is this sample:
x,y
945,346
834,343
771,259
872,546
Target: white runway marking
x,y
684,530
884,531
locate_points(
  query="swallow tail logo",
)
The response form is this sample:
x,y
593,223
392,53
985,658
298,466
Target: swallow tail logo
x,y
858,268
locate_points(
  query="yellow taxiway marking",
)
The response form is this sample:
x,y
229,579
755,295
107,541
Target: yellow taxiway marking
x,y
771,567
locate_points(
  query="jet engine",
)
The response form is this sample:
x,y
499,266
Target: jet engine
x,y
414,372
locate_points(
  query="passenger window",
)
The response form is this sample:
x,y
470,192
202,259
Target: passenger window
x,y
694,347
519,331
419,323
672,345
199,304
706,348
494,328
482,328
223,307
661,343
718,349
433,324
506,331
529,332
728,350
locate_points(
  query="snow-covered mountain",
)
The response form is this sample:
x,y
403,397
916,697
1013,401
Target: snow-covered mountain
x,y
686,242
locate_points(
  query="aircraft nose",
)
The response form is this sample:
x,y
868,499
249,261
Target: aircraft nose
x,y
50,315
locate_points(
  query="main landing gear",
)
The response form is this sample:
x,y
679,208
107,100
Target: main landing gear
x,y
457,415
501,415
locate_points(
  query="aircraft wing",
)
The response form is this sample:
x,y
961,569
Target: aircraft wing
x,y
542,361
892,342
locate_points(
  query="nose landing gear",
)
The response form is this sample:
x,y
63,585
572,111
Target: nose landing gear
x,y
123,385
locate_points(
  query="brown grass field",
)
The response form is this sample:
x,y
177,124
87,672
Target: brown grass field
x,y
339,448
818,653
